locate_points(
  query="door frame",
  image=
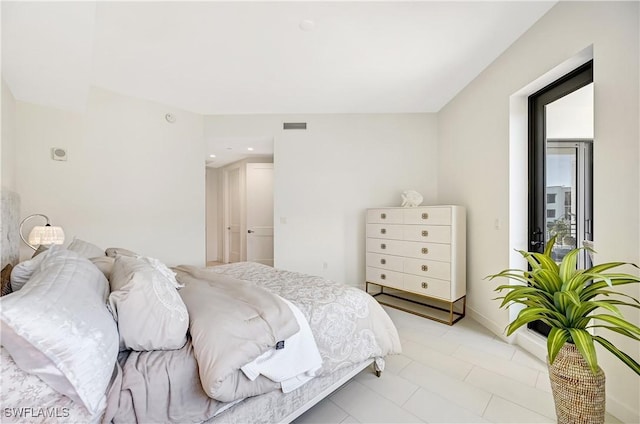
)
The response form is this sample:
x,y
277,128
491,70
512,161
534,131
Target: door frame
x,y
226,213
537,151
574,80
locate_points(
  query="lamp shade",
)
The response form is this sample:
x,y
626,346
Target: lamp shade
x,y
42,234
45,235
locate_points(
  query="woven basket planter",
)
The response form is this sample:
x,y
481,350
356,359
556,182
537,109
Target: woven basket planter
x,y
578,393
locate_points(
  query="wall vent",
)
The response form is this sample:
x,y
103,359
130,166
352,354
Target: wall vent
x,y
294,126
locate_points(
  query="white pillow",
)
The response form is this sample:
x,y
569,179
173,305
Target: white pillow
x,y
85,249
22,272
150,313
58,328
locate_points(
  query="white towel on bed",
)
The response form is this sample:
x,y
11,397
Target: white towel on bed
x,y
293,365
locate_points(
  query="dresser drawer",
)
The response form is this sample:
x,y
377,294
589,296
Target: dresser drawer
x,y
435,269
385,231
429,251
427,233
393,263
384,216
430,216
389,247
385,277
428,286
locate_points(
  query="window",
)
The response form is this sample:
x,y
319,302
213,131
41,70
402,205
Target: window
x,y
561,164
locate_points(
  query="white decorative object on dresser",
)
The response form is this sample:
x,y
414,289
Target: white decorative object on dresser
x,y
418,251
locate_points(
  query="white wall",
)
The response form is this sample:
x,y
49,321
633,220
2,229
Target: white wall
x,y
132,179
326,176
474,137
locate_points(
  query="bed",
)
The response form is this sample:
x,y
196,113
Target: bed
x,y
296,338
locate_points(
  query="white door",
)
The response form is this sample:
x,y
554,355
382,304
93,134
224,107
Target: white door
x,y
260,213
233,215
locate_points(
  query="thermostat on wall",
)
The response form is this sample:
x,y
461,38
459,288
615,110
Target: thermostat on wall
x,y
58,153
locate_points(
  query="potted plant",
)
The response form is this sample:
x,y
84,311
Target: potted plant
x,y
572,301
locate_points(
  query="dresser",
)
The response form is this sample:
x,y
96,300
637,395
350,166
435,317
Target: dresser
x,y
416,260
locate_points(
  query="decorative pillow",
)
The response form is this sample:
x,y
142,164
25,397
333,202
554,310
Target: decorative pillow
x,y
22,272
85,249
150,313
115,251
40,249
58,328
104,264
6,280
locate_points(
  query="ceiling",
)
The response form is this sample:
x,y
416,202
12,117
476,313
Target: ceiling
x,y
242,57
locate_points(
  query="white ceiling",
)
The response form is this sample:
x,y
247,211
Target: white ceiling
x,y
253,57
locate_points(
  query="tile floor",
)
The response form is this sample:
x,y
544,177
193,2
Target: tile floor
x,y
458,374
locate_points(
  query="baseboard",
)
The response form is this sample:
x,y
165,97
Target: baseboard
x,y
532,342
622,411
496,329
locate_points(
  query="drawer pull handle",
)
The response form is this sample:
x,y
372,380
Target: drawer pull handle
x,y
383,261
425,251
425,268
425,216
383,231
383,277
383,216
425,233
425,285
383,246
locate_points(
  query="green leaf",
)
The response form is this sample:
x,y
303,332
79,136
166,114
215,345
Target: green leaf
x,y
629,361
511,274
528,315
618,322
526,293
547,280
555,340
599,285
617,330
568,266
549,247
608,305
584,342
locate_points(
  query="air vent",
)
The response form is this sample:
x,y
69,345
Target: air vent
x,y
294,126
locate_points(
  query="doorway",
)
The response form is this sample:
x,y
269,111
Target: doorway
x,y
561,167
246,206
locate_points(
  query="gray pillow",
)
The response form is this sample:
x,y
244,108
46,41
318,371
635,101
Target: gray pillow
x,y
112,252
85,249
150,313
104,264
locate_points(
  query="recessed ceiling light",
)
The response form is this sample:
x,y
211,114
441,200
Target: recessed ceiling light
x,y
250,149
307,25
212,156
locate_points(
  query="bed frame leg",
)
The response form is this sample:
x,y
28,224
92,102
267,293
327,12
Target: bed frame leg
x,y
377,369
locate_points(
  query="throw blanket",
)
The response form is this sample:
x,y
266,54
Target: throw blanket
x,y
232,322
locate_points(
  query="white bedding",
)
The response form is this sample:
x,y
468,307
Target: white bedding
x,y
295,363
26,398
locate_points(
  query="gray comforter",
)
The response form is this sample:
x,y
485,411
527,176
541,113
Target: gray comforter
x,y
232,322
166,386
